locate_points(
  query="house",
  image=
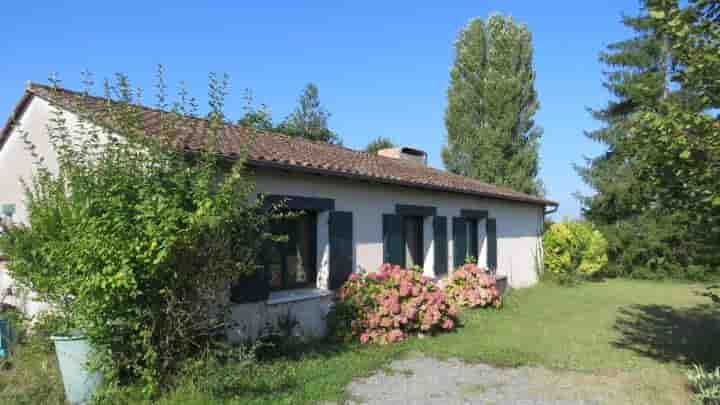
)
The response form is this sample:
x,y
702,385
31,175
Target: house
x,y
360,211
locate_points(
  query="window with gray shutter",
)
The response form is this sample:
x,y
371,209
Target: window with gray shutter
x,y
441,245
459,241
492,253
393,245
341,248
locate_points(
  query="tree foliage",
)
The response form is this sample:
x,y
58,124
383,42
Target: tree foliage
x,y
136,241
309,119
676,145
379,143
491,133
636,77
657,185
258,117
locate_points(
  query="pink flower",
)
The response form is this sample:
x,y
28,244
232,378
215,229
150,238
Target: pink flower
x,y
396,335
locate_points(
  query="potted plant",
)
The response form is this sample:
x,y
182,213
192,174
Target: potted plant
x,y
79,380
73,351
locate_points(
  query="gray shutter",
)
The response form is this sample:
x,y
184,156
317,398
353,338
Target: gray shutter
x,y
341,248
492,243
459,242
441,245
393,250
474,242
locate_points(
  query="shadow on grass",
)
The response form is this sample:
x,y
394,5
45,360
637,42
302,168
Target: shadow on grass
x,y
667,334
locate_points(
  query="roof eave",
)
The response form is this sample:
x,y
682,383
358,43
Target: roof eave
x,y
15,117
404,183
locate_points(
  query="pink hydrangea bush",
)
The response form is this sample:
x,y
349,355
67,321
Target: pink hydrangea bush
x,y
393,303
471,286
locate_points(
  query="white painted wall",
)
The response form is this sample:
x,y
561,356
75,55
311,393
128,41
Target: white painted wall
x,y
305,316
15,160
16,164
518,224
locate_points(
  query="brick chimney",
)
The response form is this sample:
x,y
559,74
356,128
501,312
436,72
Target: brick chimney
x,y
410,155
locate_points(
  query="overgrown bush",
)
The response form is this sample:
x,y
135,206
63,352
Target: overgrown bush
x,y
655,246
389,305
471,286
574,250
135,239
45,325
705,384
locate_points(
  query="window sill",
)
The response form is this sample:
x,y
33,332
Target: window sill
x,y
300,294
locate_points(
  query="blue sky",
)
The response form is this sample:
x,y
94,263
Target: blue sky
x,y
382,67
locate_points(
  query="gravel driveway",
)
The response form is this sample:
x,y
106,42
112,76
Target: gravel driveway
x,y
424,380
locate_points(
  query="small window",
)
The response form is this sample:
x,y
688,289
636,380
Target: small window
x,y
413,237
291,263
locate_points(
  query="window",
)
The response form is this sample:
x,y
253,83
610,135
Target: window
x,y
413,237
291,263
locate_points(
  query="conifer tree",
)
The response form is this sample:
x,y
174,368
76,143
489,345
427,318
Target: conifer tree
x,y
645,238
310,119
636,78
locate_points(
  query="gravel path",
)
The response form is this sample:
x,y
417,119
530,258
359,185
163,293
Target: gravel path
x,y
424,380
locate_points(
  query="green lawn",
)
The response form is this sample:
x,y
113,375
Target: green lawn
x,y
643,334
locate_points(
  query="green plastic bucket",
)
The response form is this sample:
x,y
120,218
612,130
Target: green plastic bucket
x,y
73,354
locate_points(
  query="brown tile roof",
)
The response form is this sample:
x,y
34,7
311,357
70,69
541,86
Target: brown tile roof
x,y
266,149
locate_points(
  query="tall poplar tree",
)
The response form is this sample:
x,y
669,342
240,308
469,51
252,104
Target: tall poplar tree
x,y
491,133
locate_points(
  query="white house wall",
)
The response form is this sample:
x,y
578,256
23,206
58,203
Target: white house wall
x,y
16,163
518,224
15,160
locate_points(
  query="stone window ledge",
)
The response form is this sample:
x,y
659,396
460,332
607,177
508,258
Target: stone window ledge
x,y
300,294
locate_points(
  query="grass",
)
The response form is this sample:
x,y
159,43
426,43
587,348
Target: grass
x,y
31,377
640,334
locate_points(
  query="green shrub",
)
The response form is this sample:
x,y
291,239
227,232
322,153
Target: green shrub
x,y
654,246
706,385
45,325
136,241
574,250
